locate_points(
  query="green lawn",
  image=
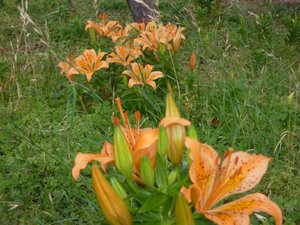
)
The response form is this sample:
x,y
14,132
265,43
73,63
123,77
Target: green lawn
x,y
245,95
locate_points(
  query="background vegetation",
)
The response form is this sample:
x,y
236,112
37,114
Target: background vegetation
x,y
245,95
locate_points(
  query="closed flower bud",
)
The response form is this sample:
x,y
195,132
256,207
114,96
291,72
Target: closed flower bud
x,y
118,188
176,133
173,177
147,173
123,157
192,62
162,145
113,207
177,39
183,213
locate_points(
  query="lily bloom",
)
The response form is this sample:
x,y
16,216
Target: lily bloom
x,y
238,173
141,143
120,33
90,62
177,39
68,68
124,56
140,75
103,29
153,37
113,207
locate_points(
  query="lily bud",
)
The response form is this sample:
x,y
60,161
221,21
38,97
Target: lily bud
x,y
113,207
177,40
162,145
183,213
176,133
192,62
147,173
118,188
123,157
173,177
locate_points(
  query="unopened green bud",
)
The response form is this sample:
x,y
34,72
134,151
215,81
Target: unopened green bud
x,y
118,188
123,157
173,176
162,145
147,173
183,213
176,133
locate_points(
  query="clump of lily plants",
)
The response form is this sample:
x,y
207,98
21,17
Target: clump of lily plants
x,y
163,175
136,48
166,175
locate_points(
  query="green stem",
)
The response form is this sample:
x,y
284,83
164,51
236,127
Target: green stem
x,y
175,72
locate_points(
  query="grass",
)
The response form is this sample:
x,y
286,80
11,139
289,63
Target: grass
x,y
248,66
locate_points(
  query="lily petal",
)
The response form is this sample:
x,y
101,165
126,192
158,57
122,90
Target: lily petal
x,y
82,159
192,194
238,177
169,121
237,212
253,166
203,169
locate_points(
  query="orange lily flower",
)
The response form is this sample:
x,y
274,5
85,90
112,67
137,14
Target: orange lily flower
x,y
124,55
140,75
238,173
142,142
90,62
153,36
68,68
177,39
121,33
103,29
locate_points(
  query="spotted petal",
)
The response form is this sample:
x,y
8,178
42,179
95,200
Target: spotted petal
x,y
203,168
237,212
239,173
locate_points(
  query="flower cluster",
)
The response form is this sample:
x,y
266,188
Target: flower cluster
x,y
140,154
131,42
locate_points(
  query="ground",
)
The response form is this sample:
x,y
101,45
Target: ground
x,y
244,94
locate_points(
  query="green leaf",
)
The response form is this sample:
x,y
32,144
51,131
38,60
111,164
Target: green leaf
x,y
161,172
152,202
